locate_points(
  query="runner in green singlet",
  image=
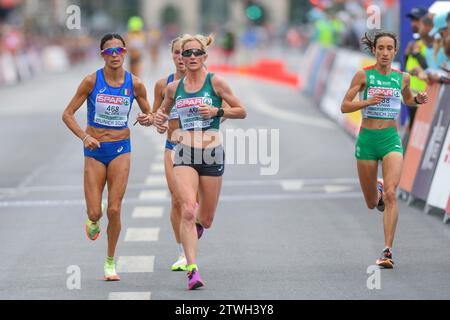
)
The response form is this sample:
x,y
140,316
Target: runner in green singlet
x,y
171,142
199,156
381,89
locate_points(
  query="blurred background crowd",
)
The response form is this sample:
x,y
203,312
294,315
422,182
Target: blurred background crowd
x,y
34,34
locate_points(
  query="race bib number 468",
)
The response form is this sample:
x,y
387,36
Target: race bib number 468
x,y
112,111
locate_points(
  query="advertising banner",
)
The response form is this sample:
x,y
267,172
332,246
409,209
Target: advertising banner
x,y
440,187
418,138
323,74
314,72
433,148
307,63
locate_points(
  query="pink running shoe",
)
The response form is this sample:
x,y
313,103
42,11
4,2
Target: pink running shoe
x,y
194,281
199,227
380,187
200,230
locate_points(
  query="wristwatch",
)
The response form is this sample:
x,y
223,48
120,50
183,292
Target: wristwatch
x,y
220,113
415,100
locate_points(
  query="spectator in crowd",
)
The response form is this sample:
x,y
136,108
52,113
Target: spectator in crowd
x,y
447,53
448,22
414,16
228,45
436,57
415,55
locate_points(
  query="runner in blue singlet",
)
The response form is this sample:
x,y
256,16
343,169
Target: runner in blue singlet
x,y
109,93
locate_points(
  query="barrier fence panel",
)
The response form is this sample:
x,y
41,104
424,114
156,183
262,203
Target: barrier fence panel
x,y
418,139
314,72
323,74
433,147
307,63
439,194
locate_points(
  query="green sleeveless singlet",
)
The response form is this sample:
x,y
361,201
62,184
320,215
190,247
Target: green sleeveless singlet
x,y
187,106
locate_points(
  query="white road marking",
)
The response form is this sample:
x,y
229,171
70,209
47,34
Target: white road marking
x,y
142,234
157,168
156,180
337,189
153,194
148,212
129,296
135,264
292,185
228,183
223,198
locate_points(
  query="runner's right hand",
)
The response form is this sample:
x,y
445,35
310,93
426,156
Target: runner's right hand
x,y
376,99
91,143
161,128
160,117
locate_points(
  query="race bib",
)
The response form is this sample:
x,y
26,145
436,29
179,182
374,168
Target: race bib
x,y
173,113
388,108
112,111
188,112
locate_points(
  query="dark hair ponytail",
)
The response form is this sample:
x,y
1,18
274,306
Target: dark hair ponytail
x,y
111,36
370,40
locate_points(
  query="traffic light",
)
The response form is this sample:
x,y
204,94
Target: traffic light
x,y
255,12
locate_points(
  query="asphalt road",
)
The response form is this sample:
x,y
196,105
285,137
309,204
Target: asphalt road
x,y
301,232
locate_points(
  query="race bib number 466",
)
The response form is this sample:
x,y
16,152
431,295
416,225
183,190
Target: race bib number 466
x,y
112,111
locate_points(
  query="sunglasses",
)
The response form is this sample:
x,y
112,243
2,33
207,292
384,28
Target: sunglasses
x,y
111,51
195,52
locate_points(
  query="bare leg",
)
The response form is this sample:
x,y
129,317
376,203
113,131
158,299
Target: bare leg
x,y
187,181
94,183
117,175
367,172
209,192
175,212
392,169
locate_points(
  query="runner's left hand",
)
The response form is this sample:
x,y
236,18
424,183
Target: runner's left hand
x,y
145,119
422,97
207,111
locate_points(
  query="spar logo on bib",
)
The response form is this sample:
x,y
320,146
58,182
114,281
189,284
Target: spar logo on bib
x,y
189,102
207,100
115,100
387,92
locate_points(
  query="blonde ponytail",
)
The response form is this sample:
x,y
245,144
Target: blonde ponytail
x,y
205,42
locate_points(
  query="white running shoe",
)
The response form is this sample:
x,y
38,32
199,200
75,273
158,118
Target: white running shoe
x,y
180,264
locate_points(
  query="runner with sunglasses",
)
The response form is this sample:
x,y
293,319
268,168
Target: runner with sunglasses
x,y
381,89
171,142
159,91
199,155
109,93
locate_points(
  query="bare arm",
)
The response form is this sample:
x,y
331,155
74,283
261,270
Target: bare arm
x,y
140,93
68,116
158,94
408,97
163,112
224,106
169,98
357,84
235,109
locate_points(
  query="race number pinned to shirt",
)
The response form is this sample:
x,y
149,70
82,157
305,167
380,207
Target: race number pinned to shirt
x,y
388,108
112,110
190,118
